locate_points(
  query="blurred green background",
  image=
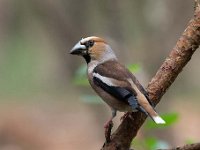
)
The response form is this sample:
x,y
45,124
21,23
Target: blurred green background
x,y
45,105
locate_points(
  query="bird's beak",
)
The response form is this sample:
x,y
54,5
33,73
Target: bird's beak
x,y
78,49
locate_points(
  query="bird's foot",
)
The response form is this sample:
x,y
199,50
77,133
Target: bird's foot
x,y
108,127
128,114
108,124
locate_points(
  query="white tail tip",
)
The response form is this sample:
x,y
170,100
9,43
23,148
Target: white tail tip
x,y
158,120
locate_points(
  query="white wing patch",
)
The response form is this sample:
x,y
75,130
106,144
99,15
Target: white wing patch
x,y
106,80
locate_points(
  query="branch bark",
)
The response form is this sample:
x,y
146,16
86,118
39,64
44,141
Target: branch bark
x,y
179,56
195,146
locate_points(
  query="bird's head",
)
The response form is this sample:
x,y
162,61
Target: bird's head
x,y
93,48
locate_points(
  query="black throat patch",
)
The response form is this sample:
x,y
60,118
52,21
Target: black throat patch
x,y
87,58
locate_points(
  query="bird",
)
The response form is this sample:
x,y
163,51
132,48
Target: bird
x,y
112,81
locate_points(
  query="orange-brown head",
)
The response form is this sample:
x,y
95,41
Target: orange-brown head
x,y
93,48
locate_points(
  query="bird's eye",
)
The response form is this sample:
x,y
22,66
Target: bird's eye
x,y
90,43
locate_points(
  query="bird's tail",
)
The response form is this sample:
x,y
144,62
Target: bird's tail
x,y
155,117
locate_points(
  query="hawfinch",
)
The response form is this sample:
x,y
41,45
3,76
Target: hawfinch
x,y
112,81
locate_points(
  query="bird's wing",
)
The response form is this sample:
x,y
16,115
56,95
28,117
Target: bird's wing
x,y
123,94
114,78
113,69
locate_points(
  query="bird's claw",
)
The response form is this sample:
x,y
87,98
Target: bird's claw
x,y
108,124
108,127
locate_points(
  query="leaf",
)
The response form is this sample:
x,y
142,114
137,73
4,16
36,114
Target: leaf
x,y
170,119
134,68
151,143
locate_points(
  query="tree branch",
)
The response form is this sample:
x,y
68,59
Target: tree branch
x,y
179,56
195,146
